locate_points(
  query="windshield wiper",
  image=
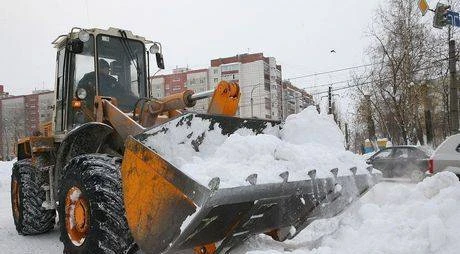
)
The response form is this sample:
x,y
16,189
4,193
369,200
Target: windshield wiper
x,y
129,51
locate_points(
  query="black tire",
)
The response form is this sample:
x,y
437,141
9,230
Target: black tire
x,y
27,196
99,179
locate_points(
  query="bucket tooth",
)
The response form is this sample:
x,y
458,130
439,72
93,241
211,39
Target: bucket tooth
x,y
312,174
285,176
252,179
214,184
370,168
335,172
353,170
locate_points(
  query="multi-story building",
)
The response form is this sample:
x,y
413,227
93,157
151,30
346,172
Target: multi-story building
x,y
259,78
22,116
12,124
180,80
158,86
3,94
294,99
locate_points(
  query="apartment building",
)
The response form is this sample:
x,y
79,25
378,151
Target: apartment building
x,y
180,80
259,78
294,99
22,116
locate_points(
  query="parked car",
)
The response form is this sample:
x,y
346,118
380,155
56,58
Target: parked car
x,y
401,161
447,156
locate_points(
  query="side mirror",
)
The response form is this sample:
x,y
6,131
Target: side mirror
x,y
75,46
160,61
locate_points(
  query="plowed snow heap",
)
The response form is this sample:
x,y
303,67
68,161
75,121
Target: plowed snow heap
x,y
307,141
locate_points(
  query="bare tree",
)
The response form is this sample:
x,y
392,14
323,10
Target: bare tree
x,y
407,54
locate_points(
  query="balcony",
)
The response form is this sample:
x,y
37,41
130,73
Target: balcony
x,y
267,86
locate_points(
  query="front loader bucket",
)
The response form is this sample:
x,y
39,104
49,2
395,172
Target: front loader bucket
x,y
167,210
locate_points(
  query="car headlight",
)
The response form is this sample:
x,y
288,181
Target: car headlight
x,y
83,35
81,93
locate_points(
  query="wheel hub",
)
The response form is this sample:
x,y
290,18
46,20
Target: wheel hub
x,y
15,193
77,216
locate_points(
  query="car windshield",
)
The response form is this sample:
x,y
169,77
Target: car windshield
x,y
383,154
121,69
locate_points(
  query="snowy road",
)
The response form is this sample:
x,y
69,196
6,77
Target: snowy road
x,y
394,217
10,241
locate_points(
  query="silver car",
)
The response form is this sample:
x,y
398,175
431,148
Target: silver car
x,y
447,156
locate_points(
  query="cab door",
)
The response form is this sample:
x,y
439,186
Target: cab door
x,y
59,120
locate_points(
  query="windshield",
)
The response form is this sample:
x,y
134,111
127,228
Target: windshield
x,y
121,69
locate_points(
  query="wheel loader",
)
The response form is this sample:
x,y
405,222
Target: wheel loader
x,y
114,192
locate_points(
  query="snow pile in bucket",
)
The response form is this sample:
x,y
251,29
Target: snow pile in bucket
x,y
307,141
391,218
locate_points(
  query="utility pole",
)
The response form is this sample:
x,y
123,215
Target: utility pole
x,y
334,114
347,137
370,123
443,16
453,96
252,100
329,99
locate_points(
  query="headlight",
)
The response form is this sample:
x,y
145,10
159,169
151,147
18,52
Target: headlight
x,y
83,35
155,48
81,93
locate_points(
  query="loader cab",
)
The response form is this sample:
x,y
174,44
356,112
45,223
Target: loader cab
x,y
94,62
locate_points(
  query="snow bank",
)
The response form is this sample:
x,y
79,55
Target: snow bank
x,y
307,141
389,219
5,174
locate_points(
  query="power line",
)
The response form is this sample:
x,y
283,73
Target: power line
x,y
343,87
337,70
348,68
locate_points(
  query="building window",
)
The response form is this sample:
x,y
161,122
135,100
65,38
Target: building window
x,y
216,71
232,67
267,104
216,80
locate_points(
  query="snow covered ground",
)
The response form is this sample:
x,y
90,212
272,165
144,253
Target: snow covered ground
x,y
393,217
10,241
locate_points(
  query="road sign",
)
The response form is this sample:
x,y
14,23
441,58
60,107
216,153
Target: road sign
x,y
423,6
453,18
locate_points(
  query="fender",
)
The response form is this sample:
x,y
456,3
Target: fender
x,y
87,138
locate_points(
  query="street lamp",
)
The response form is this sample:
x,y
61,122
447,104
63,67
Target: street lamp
x,y
252,99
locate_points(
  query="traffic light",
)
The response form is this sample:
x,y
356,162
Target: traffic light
x,y
440,19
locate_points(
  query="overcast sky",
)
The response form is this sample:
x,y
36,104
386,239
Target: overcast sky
x,y
299,34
